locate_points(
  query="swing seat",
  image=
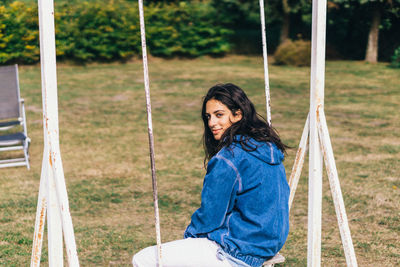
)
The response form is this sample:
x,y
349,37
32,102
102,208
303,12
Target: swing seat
x,y
278,258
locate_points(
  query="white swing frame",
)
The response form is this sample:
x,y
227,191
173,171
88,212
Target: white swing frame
x,y
53,198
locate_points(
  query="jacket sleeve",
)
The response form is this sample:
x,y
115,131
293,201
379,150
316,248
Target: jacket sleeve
x,y
217,198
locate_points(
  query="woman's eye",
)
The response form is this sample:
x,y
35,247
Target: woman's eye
x,y
219,115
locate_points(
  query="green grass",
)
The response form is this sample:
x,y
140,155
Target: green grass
x,y
104,148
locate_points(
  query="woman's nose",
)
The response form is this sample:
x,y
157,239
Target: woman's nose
x,y
211,122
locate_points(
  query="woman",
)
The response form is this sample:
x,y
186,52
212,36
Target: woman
x,y
243,219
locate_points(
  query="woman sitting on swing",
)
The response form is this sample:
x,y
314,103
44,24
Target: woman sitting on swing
x,y
243,219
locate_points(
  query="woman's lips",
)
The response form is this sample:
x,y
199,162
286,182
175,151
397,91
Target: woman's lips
x,y
216,131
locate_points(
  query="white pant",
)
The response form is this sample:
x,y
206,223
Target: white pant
x,y
199,252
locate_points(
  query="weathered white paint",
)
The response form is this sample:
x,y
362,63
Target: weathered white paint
x,y
40,217
54,224
334,183
299,161
315,156
265,56
150,131
52,170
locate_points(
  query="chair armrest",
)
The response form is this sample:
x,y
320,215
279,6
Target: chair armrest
x,y
22,101
6,125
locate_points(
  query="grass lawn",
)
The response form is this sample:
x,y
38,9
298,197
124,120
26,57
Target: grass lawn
x,y
104,147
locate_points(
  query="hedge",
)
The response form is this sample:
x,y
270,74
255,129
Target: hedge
x,y
18,33
109,30
293,53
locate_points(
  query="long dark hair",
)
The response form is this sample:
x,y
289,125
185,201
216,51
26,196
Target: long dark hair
x,y
252,125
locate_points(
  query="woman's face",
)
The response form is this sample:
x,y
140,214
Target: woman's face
x,y
220,117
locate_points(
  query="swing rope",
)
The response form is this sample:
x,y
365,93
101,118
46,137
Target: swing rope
x,y
150,131
299,160
265,56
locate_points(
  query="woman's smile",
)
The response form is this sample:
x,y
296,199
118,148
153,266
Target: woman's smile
x,y
215,131
220,117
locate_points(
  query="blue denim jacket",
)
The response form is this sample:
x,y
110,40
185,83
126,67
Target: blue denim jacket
x,y
244,202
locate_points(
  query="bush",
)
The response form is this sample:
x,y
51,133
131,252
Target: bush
x,y
294,53
109,30
185,29
97,31
396,58
19,33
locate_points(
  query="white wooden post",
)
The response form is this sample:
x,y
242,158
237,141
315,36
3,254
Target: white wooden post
x,y
40,217
150,132
299,161
334,183
54,224
52,178
315,156
265,56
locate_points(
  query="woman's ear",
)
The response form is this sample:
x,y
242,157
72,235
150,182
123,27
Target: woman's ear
x,y
237,116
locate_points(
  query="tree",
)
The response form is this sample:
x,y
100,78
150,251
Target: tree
x,y
371,54
285,21
375,9
244,16
298,7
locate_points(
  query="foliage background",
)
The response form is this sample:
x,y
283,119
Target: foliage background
x,y
109,30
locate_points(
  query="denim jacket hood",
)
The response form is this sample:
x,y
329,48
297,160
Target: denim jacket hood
x,y
244,202
265,152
